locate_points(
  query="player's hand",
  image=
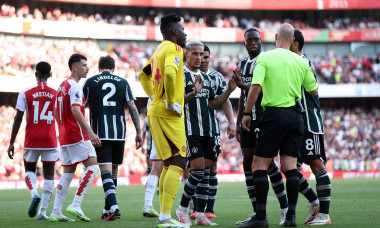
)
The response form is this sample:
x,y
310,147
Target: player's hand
x,y
138,140
231,85
11,151
231,130
246,123
176,107
95,139
237,73
238,130
197,86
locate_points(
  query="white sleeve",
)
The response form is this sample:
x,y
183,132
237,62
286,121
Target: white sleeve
x,y
76,95
21,102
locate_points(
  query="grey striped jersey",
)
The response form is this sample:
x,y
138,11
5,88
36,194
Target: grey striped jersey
x,y
247,65
106,95
312,116
198,121
220,86
149,139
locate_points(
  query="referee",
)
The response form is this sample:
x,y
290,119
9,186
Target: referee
x,y
280,73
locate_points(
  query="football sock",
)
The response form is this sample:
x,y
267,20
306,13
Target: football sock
x,y
150,189
109,188
60,194
202,191
213,188
30,181
278,184
114,178
107,206
306,190
292,188
196,175
161,183
323,190
170,188
84,184
262,188
250,186
47,191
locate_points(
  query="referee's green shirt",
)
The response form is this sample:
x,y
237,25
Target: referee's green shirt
x,y
281,73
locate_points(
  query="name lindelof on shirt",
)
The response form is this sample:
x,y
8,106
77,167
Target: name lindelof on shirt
x,y
99,78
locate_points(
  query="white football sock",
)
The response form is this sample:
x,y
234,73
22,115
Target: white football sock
x,y
84,185
30,181
150,189
47,191
60,194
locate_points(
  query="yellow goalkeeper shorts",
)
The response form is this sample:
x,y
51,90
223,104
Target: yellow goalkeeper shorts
x,y
168,136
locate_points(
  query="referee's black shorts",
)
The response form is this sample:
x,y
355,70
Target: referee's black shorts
x,y
248,139
280,129
111,152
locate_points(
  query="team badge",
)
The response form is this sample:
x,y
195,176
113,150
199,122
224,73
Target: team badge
x,y
183,148
194,150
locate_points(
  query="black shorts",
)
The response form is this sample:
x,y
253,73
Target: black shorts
x,y
111,152
200,146
248,139
280,129
217,148
312,148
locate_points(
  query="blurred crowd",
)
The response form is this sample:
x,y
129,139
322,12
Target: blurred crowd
x,y
47,12
335,69
352,142
19,54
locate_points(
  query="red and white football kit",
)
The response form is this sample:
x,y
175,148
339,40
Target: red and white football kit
x,y
75,144
40,137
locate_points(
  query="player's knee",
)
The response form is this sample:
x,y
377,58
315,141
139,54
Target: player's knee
x,y
94,168
316,165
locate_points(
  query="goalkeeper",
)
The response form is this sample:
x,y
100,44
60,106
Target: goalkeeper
x,y
163,80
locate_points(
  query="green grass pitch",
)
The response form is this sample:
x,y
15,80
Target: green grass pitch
x,y
355,203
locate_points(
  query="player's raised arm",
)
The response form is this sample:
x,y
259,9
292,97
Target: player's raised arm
x,y
146,80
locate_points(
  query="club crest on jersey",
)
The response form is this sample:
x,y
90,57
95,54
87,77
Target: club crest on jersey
x,y
194,150
183,148
77,95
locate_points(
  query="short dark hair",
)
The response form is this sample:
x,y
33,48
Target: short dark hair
x,y
106,62
43,69
299,38
168,21
75,58
251,30
206,48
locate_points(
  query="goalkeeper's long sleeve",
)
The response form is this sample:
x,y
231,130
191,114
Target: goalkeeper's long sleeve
x,y
170,83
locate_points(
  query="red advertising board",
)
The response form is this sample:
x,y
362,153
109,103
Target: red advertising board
x,y
241,4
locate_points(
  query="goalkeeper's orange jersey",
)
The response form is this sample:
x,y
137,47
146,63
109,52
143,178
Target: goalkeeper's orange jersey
x,y
166,81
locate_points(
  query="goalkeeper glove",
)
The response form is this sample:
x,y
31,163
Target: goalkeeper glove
x,y
176,107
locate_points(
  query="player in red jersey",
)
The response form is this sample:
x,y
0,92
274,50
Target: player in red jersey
x,y
40,138
74,136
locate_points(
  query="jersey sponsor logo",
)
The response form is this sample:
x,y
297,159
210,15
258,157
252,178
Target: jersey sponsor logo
x,y
77,95
194,150
189,83
310,153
